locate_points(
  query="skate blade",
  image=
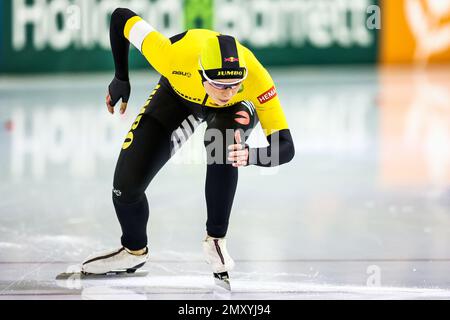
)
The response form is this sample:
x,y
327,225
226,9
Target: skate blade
x,y
115,273
224,284
222,280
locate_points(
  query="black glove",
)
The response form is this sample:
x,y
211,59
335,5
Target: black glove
x,y
119,89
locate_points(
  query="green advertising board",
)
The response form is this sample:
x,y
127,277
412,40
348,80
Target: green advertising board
x,y
73,35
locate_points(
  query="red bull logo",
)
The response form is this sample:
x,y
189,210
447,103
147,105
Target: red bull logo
x,y
231,59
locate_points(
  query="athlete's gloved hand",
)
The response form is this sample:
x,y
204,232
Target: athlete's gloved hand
x,y
118,89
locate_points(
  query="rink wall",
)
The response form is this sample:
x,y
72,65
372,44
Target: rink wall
x,y
72,35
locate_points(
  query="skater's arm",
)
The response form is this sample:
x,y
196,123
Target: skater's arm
x,y
119,88
119,44
280,150
262,92
127,27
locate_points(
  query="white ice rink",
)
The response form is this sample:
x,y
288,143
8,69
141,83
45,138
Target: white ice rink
x,y
362,212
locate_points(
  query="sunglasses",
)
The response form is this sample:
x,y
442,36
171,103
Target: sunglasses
x,y
222,85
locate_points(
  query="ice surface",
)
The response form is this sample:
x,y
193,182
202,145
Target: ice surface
x,y
363,211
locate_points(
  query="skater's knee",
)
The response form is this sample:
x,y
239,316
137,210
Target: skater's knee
x,y
245,115
126,188
127,195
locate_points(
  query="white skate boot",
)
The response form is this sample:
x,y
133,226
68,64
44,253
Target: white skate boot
x,y
216,254
115,261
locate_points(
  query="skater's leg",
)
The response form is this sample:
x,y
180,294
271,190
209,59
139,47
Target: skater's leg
x,y
136,167
221,176
148,146
220,187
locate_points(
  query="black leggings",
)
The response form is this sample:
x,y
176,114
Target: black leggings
x,y
164,123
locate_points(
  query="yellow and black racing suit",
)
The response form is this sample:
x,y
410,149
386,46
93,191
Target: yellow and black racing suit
x,y
175,108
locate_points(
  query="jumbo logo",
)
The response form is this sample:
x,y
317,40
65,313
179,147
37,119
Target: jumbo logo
x,y
229,73
130,136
